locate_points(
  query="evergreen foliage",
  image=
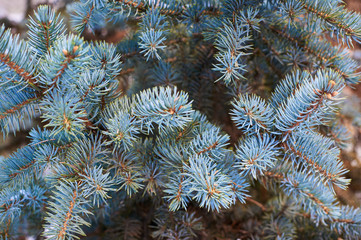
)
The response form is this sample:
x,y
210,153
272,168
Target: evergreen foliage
x,y
200,108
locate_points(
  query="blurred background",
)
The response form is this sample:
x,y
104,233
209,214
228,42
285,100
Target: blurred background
x,y
13,14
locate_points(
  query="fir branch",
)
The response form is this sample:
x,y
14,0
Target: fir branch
x,y
348,223
256,154
64,218
176,191
324,161
18,107
61,234
88,14
170,108
13,202
44,28
335,15
63,62
22,72
68,58
315,94
210,187
251,113
322,207
308,46
136,4
209,142
22,64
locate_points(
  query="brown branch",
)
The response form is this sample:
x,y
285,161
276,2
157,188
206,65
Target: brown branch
x,y
46,33
17,107
307,215
310,162
87,122
68,216
129,70
314,198
328,18
344,220
86,19
179,192
139,6
313,106
273,175
91,87
208,148
128,55
318,201
16,68
260,205
64,65
22,168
